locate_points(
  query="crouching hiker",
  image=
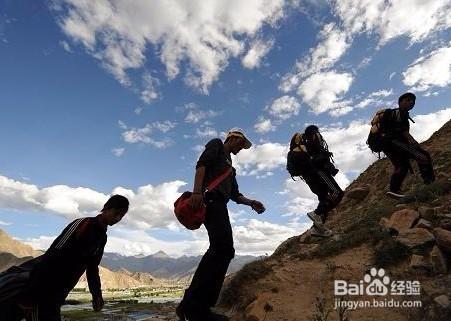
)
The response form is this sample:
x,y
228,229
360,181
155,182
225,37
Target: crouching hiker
x,y
206,285
48,279
310,159
390,134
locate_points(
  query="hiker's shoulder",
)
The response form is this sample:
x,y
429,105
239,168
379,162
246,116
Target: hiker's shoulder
x,y
214,143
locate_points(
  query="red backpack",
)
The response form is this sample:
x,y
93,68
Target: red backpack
x,y
193,219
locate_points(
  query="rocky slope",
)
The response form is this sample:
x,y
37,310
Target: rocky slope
x,y
409,240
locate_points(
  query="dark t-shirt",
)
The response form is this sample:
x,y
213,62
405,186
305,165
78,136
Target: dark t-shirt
x,y
395,123
77,249
216,161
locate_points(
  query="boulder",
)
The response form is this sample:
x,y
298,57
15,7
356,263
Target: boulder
x,y
427,213
439,261
415,238
420,262
443,239
403,220
257,310
358,193
422,223
446,224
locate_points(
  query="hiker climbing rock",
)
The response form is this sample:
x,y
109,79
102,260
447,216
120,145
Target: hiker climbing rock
x,y
53,275
207,281
309,158
390,134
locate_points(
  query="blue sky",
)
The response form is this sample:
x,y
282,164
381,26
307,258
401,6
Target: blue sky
x,y
120,97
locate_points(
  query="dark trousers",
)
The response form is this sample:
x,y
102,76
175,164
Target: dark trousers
x,y
326,188
209,276
400,153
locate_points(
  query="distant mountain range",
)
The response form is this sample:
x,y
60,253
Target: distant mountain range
x,y
162,265
118,271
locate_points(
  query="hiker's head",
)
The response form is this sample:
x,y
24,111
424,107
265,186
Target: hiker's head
x,y
312,133
406,101
236,140
114,209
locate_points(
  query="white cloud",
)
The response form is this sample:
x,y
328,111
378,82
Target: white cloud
x,y
284,107
150,206
207,132
144,135
390,19
426,125
332,46
65,46
264,126
374,99
260,158
392,75
322,91
118,151
431,70
204,34
256,52
195,114
5,223
150,92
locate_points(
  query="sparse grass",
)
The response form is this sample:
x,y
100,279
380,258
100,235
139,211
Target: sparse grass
x,y
236,289
322,311
389,252
428,193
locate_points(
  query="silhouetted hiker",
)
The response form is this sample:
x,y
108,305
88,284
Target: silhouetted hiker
x,y
205,287
390,134
77,249
310,159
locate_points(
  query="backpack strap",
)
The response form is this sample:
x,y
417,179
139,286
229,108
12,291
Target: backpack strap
x,y
218,180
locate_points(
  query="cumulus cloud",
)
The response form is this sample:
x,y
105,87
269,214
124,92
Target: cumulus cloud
x,y
333,43
388,18
284,107
322,91
264,126
260,158
375,99
431,70
206,132
203,34
144,135
256,52
150,206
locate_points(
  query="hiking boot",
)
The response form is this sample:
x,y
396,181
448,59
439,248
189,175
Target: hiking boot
x,y
321,232
396,195
317,219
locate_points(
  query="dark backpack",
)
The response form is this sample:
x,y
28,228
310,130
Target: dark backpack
x,y
375,139
297,158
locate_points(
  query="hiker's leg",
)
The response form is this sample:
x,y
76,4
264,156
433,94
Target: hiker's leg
x,y
209,276
400,161
10,312
45,312
424,161
319,187
335,193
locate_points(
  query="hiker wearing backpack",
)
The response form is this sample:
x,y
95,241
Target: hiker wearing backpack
x,y
390,134
207,281
53,275
310,159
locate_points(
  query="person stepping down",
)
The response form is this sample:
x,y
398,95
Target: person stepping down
x,y
390,134
205,287
309,158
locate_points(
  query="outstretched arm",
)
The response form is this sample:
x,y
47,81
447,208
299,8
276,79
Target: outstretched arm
x,y
254,204
92,275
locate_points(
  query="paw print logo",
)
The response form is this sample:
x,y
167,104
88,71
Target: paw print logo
x,y
377,282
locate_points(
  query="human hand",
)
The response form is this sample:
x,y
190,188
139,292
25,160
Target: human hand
x,y
196,200
258,207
